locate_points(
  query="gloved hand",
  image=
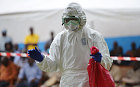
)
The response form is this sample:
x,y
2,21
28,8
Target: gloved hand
x,y
96,55
35,54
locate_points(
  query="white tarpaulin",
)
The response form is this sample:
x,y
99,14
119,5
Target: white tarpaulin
x,y
111,23
12,6
113,18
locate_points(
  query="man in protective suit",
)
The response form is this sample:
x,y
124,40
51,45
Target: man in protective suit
x,y
70,50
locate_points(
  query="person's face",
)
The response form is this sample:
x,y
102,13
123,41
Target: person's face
x,y
16,46
52,34
72,23
31,31
133,45
5,61
4,34
8,47
30,61
115,45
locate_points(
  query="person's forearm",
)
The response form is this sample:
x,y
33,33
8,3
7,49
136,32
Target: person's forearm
x,y
47,64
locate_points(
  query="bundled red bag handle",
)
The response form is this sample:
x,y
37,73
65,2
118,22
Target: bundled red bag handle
x,y
98,75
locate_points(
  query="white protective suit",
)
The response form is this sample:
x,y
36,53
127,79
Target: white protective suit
x,y
70,52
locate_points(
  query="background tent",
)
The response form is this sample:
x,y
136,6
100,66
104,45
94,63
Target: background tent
x,y
116,20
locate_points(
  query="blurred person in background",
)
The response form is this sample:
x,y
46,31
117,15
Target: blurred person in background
x,y
120,54
31,40
132,78
48,43
16,50
9,48
8,73
119,67
53,81
114,51
133,51
21,61
32,74
138,52
70,49
4,39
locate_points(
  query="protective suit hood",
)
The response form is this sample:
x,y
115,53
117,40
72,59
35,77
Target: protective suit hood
x,y
74,10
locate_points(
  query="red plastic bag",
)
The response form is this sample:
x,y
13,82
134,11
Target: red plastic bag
x,y
98,75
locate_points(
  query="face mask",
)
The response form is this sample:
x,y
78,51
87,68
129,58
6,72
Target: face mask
x,y
72,25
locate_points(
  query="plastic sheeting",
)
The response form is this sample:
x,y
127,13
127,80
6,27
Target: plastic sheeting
x,y
111,23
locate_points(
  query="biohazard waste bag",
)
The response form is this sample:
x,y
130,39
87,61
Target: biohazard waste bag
x,y
98,75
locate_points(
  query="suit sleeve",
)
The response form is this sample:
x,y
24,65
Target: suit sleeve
x,y
51,63
100,43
